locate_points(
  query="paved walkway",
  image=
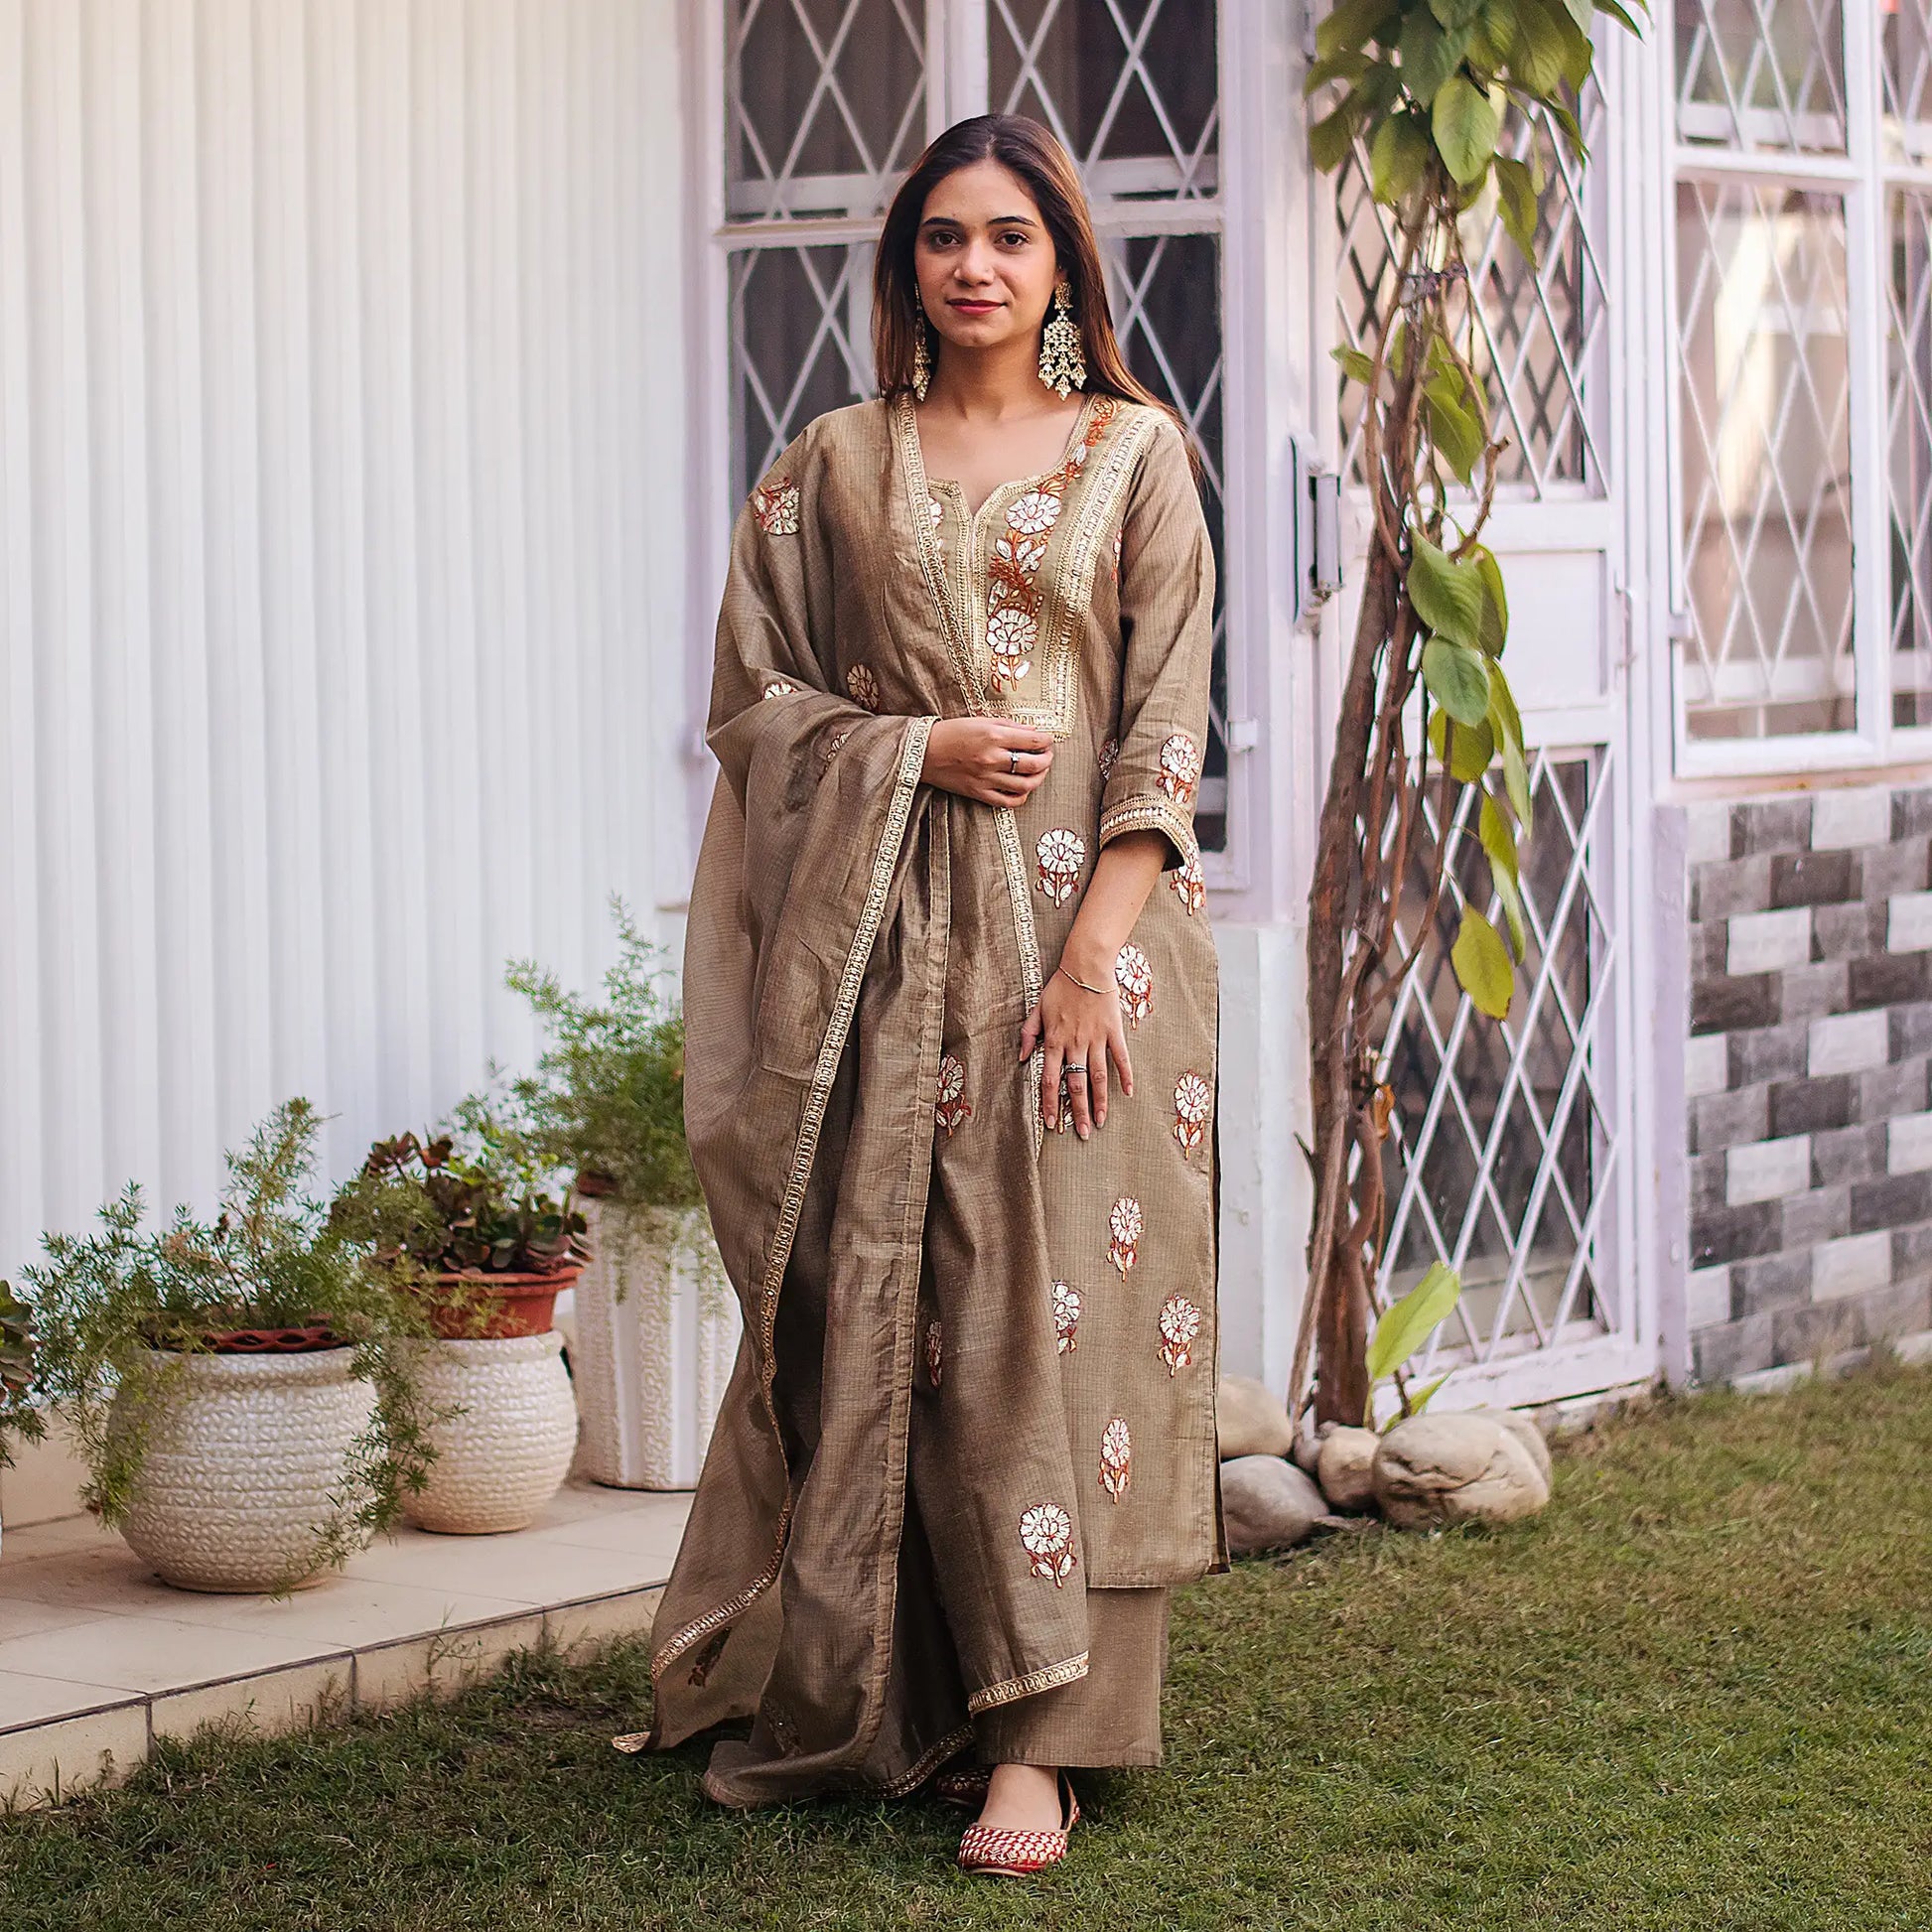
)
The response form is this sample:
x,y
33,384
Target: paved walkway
x,y
98,1657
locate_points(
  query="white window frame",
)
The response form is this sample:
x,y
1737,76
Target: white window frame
x,y
1866,181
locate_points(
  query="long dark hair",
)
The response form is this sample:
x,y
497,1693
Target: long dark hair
x,y
1034,154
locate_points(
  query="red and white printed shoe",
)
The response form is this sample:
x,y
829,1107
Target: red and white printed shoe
x,y
1009,1854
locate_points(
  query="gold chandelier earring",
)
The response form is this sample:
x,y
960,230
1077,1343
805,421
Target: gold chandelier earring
x,y
1062,360
922,354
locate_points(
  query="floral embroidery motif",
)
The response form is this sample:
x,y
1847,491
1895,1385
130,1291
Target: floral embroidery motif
x,y
1066,1313
863,686
933,1351
1013,600
1179,767
1116,556
1179,1324
1135,978
1035,513
952,1110
828,751
1046,1535
1191,1100
1190,887
1116,1459
1011,634
779,687
775,505
1064,1113
1125,1226
1109,757
1062,854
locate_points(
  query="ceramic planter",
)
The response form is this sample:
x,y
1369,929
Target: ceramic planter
x,y
246,1455
503,1458
657,1333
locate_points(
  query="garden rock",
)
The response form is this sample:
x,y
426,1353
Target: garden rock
x,y
1267,1503
1250,1420
1345,1467
1435,1470
1524,1428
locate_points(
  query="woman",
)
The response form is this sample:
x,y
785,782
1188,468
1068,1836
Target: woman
x,y
950,1009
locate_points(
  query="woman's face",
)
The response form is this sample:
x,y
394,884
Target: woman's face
x,y
985,263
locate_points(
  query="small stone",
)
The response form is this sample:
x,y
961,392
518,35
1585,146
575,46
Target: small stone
x,y
1267,1503
1434,1471
1345,1467
1251,1418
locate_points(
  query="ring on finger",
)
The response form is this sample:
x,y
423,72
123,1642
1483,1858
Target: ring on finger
x,y
1012,763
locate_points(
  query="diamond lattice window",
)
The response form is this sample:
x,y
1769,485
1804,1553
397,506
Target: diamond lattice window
x,y
1540,333
1766,74
1502,1135
1764,459
800,322
1908,495
1905,73
825,107
1129,85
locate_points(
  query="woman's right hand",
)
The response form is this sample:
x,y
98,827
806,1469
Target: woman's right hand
x,y
988,758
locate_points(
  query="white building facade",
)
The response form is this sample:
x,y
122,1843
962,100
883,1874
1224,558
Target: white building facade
x,y
377,383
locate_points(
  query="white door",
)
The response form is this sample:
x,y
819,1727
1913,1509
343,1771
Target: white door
x,y
1511,1144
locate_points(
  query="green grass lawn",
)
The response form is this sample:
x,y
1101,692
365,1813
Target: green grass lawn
x,y
1696,1692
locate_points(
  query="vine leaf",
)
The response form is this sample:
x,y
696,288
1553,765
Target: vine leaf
x,y
1518,201
1481,963
1397,158
1355,364
1458,679
1447,597
1409,1322
1429,54
1465,124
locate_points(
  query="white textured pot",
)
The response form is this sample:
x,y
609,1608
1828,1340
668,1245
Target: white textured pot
x,y
246,1460
657,1335
506,1454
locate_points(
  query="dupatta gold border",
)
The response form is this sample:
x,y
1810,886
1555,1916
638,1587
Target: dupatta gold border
x,y
911,762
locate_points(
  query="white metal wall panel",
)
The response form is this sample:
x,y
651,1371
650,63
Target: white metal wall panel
x,y
342,528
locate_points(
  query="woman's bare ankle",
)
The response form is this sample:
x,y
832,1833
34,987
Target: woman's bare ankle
x,y
1022,1798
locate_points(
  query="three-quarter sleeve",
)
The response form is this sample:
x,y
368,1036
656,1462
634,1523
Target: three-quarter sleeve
x,y
1166,624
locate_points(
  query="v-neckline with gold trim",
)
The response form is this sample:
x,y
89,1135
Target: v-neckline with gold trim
x,y
1015,487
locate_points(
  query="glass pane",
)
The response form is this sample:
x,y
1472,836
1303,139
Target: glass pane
x,y
1501,1133
1765,458
1762,74
825,104
1166,293
1908,350
1539,332
1129,85
800,344
1906,27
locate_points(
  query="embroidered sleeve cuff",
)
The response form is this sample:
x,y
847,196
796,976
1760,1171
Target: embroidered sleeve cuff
x,y
1151,812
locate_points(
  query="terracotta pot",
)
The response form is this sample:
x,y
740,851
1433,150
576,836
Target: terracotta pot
x,y
302,1340
525,1303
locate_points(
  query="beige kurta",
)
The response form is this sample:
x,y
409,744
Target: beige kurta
x,y
862,952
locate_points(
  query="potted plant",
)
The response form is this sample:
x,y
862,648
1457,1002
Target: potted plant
x,y
656,1325
240,1389
467,1228
20,1416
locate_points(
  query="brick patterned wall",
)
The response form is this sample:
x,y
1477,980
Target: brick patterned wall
x,y
1807,1076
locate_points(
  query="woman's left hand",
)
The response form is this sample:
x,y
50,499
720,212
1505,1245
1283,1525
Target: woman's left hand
x,y
1079,1030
